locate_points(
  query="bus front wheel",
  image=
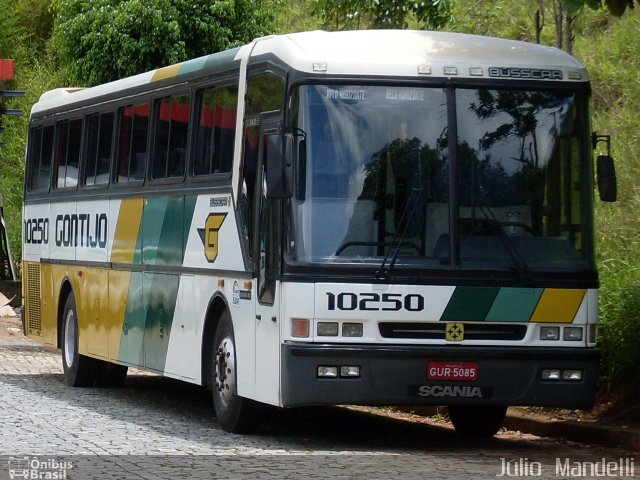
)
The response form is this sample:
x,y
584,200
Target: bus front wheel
x,y
79,370
234,413
477,421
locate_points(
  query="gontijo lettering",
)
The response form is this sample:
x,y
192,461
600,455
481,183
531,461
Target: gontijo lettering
x,y
82,230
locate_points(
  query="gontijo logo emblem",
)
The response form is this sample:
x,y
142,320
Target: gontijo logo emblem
x,y
209,235
454,332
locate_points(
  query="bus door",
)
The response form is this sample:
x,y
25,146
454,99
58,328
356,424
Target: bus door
x,y
267,255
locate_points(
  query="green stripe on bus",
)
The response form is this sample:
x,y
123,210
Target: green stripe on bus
x,y
148,319
171,240
470,304
192,65
161,291
135,319
161,237
514,304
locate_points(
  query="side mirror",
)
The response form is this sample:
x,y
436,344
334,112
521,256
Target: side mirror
x,y
279,161
606,177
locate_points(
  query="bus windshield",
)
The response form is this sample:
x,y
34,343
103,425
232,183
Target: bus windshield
x,y
374,178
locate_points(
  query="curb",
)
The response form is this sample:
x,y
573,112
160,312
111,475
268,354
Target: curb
x,y
582,432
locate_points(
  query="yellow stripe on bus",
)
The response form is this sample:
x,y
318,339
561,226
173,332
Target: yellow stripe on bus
x,y
558,305
126,236
166,72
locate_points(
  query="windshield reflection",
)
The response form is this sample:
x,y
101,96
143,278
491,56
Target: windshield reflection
x,y
372,179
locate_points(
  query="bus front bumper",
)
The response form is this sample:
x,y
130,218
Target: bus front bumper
x,y
397,375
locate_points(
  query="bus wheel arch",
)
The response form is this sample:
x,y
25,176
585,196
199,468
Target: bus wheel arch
x,y
65,291
217,305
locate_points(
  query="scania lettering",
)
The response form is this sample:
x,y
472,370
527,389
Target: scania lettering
x,y
446,391
324,218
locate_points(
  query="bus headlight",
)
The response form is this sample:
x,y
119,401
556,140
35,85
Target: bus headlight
x,y
573,334
549,333
351,329
327,329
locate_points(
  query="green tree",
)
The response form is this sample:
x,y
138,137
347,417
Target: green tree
x,y
101,40
616,7
347,14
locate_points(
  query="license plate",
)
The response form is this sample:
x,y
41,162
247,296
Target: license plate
x,y
458,371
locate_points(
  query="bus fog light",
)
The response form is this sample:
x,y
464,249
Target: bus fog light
x,y
572,375
350,371
351,329
572,333
549,333
327,329
300,327
551,374
327,372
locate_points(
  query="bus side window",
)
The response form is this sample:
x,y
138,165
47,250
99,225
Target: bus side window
x,y
67,159
132,143
216,130
39,159
98,148
172,116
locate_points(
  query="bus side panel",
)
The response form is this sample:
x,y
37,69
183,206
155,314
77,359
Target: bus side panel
x,y
119,282
93,302
183,360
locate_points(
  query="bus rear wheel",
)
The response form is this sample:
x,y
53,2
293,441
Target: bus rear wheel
x,y
79,370
477,421
234,413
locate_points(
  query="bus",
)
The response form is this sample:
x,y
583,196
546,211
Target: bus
x,y
323,218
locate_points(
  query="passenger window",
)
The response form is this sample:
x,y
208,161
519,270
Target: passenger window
x,y
98,149
67,157
216,131
172,116
40,150
132,143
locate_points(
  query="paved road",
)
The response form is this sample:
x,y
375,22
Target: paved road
x,y
156,428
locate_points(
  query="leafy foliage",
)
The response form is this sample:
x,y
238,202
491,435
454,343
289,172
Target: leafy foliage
x,y
615,7
345,14
101,40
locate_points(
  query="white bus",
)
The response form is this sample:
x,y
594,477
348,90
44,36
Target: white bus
x,y
370,217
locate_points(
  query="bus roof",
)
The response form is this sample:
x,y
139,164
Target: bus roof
x,y
405,53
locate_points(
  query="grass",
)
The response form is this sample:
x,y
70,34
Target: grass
x,y
610,56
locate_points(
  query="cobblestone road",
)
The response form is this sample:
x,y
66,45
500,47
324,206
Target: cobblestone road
x,y
156,428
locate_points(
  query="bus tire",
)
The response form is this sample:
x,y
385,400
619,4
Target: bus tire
x,y
477,421
79,370
234,413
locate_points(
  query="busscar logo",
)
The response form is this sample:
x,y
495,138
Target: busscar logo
x,y
209,235
454,332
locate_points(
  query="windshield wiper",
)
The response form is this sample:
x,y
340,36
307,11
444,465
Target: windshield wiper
x,y
383,273
521,265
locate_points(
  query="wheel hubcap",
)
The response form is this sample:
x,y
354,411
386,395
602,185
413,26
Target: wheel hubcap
x,y
224,373
69,339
